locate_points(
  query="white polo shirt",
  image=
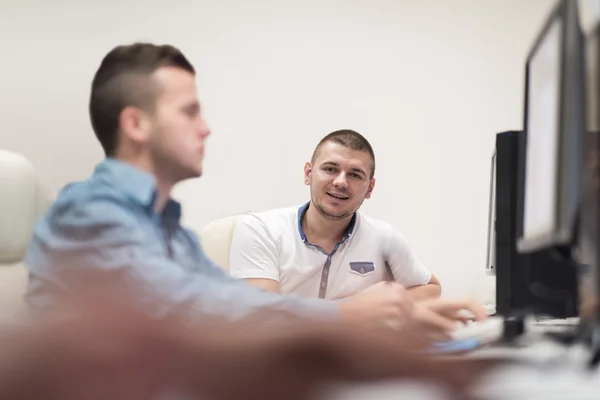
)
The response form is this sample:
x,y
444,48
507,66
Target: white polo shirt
x,y
272,245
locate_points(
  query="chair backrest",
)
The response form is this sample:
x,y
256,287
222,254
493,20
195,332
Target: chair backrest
x,y
22,203
216,239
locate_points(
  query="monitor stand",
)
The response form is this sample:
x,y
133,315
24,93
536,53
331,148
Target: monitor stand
x,y
595,346
590,335
514,328
515,333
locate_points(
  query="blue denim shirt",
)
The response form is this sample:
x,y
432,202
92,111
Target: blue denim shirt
x,y
107,224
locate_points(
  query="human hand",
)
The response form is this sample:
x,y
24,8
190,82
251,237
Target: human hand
x,y
444,315
292,361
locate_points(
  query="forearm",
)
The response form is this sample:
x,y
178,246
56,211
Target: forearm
x,y
163,288
426,292
251,299
264,284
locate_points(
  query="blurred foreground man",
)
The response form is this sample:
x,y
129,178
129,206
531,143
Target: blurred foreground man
x,y
104,347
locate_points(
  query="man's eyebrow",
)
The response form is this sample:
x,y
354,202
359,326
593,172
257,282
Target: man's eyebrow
x,y
334,164
195,107
358,170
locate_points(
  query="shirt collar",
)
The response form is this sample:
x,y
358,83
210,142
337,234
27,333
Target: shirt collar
x,y
302,212
137,184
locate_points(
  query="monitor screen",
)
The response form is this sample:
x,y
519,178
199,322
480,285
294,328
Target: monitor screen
x,y
543,127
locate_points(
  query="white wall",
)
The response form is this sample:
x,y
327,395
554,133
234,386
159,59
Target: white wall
x,y
429,82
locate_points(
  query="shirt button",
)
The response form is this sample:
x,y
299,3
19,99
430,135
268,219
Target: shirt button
x,y
323,284
325,272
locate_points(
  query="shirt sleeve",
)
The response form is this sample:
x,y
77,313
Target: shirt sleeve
x,y
104,238
253,252
403,262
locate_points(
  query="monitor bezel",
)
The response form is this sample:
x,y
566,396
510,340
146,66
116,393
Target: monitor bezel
x,y
491,235
567,189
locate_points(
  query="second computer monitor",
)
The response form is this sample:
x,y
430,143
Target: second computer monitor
x,y
550,164
588,254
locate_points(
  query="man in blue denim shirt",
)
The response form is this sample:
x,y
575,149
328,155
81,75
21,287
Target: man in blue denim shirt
x,y
122,225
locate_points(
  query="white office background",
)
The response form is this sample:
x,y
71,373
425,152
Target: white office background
x,y
428,82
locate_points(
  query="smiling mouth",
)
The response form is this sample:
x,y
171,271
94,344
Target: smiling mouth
x,y
338,196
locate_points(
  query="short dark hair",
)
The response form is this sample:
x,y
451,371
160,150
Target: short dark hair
x,y
123,80
350,139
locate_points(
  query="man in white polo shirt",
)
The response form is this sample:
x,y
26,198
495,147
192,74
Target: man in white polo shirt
x,y
326,248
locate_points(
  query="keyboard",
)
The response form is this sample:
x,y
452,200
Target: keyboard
x,y
471,336
486,332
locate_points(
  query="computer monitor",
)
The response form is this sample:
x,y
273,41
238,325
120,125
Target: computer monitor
x,y
588,254
490,264
527,284
550,164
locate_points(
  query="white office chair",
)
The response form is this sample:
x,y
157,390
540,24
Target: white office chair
x,y
216,239
22,202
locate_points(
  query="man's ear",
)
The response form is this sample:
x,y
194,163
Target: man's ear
x,y
371,187
135,124
307,173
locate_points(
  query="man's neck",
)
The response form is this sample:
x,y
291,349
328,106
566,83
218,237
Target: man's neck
x,y
163,185
318,228
163,194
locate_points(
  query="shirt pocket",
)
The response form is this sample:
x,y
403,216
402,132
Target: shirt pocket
x,y
362,268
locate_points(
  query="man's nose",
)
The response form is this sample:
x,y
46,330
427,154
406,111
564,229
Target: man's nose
x,y
203,129
340,181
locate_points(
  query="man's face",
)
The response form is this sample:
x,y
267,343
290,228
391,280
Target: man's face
x,y
339,180
177,129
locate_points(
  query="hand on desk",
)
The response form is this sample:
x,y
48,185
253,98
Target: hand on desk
x,y
108,352
389,302
445,314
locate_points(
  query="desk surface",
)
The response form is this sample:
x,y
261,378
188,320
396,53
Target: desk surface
x,y
533,345
551,371
562,376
